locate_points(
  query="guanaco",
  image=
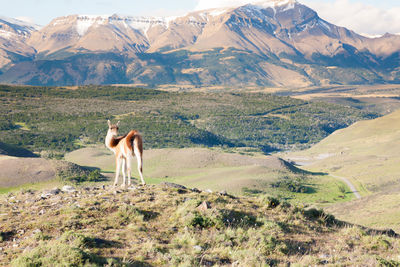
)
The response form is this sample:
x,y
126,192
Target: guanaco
x,y
124,148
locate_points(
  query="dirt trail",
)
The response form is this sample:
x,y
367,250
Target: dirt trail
x,y
351,186
344,179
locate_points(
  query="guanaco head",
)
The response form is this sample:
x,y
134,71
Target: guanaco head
x,y
112,128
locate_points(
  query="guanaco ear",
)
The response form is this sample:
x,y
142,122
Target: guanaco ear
x,y
117,123
109,123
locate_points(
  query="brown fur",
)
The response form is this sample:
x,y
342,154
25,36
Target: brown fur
x,y
115,141
134,136
124,148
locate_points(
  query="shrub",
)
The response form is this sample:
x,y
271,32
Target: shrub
x,y
295,185
236,218
320,215
270,202
200,221
127,214
94,176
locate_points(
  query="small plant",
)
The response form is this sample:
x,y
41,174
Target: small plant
x,y
342,188
127,214
94,176
234,218
320,215
270,202
388,263
200,221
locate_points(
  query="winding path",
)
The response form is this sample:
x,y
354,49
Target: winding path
x,y
347,181
351,186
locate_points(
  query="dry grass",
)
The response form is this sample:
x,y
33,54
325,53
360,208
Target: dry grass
x,y
158,225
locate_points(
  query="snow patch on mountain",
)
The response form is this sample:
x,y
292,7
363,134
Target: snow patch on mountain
x,y
140,23
290,4
324,24
84,22
218,11
7,34
24,24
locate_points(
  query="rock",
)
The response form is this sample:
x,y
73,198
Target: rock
x,y
197,248
41,212
45,195
172,185
223,193
173,229
204,206
68,189
55,191
116,192
21,232
50,193
27,249
187,199
36,231
196,190
208,191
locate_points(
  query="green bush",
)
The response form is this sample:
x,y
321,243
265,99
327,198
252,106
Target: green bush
x,y
270,202
295,185
319,215
200,221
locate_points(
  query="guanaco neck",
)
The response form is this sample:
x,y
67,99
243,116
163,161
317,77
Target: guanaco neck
x,y
108,140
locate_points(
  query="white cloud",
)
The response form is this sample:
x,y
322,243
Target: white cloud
x,y
357,16
26,19
207,4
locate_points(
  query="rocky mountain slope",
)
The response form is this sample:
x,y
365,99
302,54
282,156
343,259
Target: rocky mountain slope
x,y
169,224
13,41
271,43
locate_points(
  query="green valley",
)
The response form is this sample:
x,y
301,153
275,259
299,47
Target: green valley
x,y
61,119
366,153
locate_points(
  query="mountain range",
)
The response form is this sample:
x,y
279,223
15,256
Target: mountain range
x,y
272,43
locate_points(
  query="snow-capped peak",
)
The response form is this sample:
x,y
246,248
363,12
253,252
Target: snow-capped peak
x,y
20,26
275,3
20,23
141,23
84,22
15,29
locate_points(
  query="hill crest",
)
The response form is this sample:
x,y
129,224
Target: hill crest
x,y
166,224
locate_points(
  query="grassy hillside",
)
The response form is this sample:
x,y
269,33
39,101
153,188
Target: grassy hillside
x,y
59,119
17,173
218,170
379,210
162,225
367,154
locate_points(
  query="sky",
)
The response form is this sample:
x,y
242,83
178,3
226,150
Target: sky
x,y
369,17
